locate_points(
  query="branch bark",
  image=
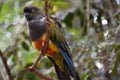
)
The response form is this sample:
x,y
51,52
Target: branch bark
x,y
47,27
2,75
4,60
88,14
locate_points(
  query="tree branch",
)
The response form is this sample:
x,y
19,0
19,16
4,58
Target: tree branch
x,y
47,27
41,75
6,66
14,42
88,14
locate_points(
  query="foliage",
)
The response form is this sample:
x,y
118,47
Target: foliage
x,y
91,30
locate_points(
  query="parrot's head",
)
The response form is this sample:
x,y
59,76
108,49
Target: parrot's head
x,y
32,12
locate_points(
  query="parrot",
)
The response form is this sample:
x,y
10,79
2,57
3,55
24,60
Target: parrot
x,y
58,50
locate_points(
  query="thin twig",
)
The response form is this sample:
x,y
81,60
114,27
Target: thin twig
x,y
88,13
32,68
14,42
6,66
2,75
47,27
35,71
41,75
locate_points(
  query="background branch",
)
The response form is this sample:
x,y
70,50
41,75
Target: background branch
x,y
2,75
88,13
14,42
4,60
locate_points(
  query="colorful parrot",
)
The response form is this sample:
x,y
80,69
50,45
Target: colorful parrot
x,y
58,50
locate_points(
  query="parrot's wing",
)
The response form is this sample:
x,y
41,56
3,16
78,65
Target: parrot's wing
x,y
57,38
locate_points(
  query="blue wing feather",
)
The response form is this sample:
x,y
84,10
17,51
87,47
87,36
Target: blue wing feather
x,y
68,61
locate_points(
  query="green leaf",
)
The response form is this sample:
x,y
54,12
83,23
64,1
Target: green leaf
x,y
25,46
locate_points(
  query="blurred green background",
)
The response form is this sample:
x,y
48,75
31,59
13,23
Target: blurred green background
x,y
92,30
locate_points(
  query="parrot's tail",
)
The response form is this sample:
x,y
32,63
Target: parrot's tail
x,y
66,74
77,76
62,75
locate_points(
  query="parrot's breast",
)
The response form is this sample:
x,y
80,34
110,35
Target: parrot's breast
x,y
38,44
52,51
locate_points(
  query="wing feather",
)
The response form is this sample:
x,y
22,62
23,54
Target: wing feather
x,y
57,38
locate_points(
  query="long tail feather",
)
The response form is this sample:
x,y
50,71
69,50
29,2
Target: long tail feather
x,y
62,75
75,75
70,66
